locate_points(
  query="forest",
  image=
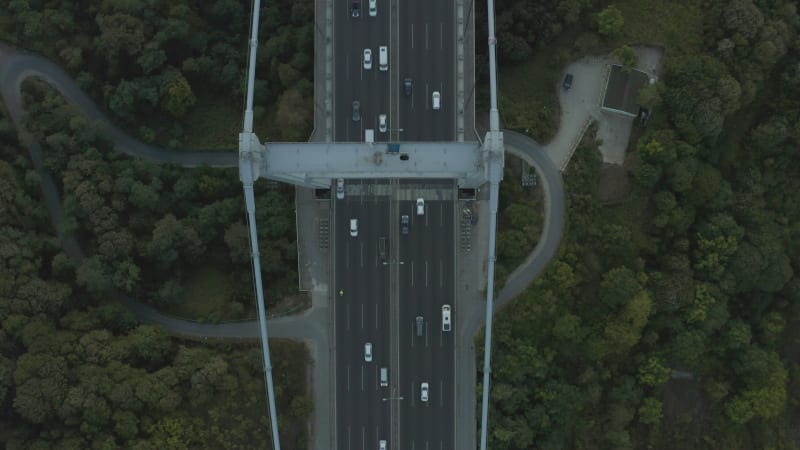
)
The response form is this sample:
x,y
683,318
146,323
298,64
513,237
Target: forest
x,y
77,370
668,318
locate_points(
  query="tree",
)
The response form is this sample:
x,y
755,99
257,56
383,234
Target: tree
x,y
651,411
237,238
618,287
293,116
41,386
653,373
151,345
649,95
94,275
119,33
610,21
627,57
171,239
178,97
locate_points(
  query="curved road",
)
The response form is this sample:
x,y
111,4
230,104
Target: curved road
x,y
17,66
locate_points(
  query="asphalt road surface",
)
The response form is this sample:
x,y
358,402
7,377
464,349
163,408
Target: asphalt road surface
x,y
426,284
422,49
427,56
352,82
362,314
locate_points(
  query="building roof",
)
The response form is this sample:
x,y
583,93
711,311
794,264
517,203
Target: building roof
x,y
622,89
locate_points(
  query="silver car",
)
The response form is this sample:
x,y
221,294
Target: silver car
x,y
424,392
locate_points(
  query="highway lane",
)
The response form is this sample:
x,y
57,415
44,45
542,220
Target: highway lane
x,y
362,315
427,283
352,82
427,56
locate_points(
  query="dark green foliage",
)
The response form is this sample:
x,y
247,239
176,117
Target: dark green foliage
x,y
151,61
672,317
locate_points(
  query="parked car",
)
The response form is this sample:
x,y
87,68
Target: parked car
x,y
567,81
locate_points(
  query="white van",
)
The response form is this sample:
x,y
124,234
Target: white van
x,y
384,377
383,58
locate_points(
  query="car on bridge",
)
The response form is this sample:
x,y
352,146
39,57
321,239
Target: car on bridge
x,y
367,59
340,188
382,126
368,352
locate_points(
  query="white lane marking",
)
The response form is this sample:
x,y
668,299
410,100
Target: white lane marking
x,y
348,378
441,274
362,378
347,256
347,66
441,35
426,36
347,313
412,35
426,273
412,274
362,316
376,316
362,253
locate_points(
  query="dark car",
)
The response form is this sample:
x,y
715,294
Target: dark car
x,y
408,84
356,111
355,11
567,81
404,224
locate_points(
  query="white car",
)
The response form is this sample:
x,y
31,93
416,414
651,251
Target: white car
x,y
373,8
367,59
382,123
424,392
445,317
420,206
437,100
368,352
354,227
340,188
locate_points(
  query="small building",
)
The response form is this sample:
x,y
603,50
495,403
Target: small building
x,y
622,90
